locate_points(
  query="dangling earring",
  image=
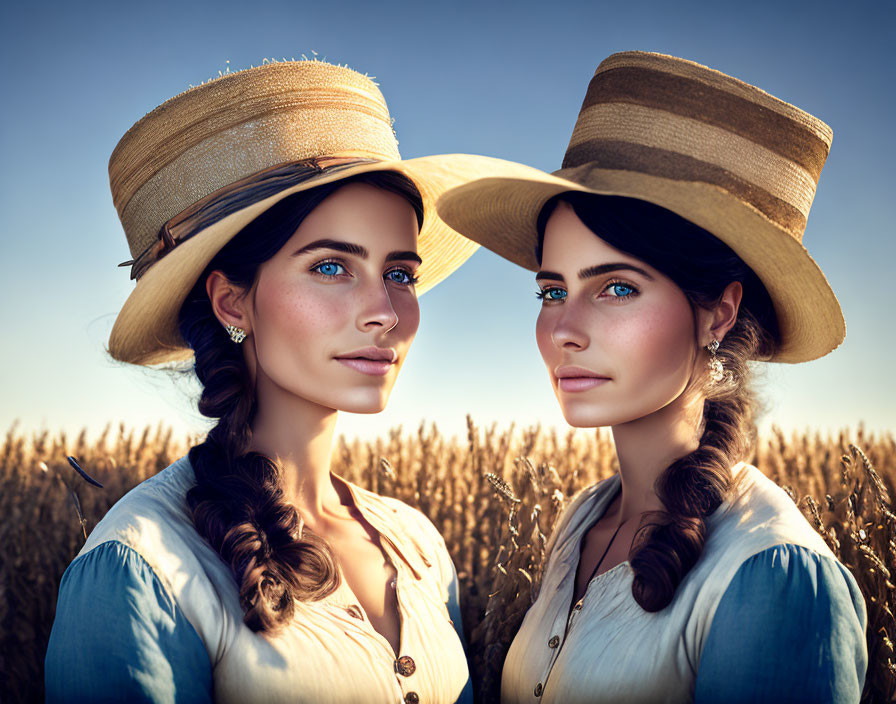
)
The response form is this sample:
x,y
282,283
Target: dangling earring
x,y
716,370
236,334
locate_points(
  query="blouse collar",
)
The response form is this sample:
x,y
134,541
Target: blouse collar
x,y
387,522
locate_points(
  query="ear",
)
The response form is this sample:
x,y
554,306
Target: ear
x,y
716,322
228,300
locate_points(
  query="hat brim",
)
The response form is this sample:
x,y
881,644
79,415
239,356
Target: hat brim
x,y
146,332
501,213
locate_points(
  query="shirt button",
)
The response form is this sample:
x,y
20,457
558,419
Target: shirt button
x,y
539,688
554,642
411,698
578,606
405,666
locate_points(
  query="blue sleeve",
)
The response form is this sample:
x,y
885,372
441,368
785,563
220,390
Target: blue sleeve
x,y
789,628
119,636
466,695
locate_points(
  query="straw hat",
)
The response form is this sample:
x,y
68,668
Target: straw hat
x,y
721,153
194,171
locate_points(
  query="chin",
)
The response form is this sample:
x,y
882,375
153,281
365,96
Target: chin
x,y
368,402
592,415
583,416
579,419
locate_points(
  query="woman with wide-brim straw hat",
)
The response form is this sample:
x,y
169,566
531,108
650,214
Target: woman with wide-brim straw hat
x,y
668,250
278,240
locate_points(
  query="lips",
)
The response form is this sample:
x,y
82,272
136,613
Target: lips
x,y
375,361
572,378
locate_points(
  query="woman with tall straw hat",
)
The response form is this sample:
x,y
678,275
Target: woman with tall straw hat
x,y
669,255
280,242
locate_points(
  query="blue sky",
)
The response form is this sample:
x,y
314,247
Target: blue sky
x,y
502,79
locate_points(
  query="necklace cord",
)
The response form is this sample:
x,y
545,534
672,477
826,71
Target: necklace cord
x,y
600,561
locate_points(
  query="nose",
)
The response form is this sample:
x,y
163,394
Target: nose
x,y
568,332
377,311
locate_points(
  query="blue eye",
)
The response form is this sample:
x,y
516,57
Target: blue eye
x,y
551,294
401,276
329,268
621,290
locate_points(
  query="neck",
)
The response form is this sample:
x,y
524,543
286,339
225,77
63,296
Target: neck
x,y
297,434
648,445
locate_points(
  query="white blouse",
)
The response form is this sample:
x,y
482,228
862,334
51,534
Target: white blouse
x,y
608,649
330,652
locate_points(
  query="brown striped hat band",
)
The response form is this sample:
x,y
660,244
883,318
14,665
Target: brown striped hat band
x,y
667,120
230,199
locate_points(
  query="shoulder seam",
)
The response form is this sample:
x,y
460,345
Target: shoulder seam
x,y
806,548
155,575
134,550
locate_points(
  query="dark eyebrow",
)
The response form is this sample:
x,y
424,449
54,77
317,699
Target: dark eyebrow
x,y
337,245
411,256
590,271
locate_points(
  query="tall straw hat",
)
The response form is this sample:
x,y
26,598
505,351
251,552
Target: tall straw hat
x,y
194,171
721,153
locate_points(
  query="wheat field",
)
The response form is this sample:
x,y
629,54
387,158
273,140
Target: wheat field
x,y
494,495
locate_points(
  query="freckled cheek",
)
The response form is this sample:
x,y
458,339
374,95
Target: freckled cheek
x,y
654,344
299,312
407,309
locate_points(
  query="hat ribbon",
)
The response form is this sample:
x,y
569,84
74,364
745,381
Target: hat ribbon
x,y
230,199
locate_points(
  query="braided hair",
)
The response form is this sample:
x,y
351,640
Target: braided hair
x,y
669,544
238,503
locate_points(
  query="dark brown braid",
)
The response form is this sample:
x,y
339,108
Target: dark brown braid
x,y
238,502
693,487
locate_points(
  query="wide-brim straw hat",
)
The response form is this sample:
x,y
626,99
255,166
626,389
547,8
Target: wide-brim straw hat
x,y
719,152
193,172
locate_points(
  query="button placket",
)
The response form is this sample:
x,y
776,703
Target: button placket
x,y
574,612
405,667
404,664
565,616
555,643
395,559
